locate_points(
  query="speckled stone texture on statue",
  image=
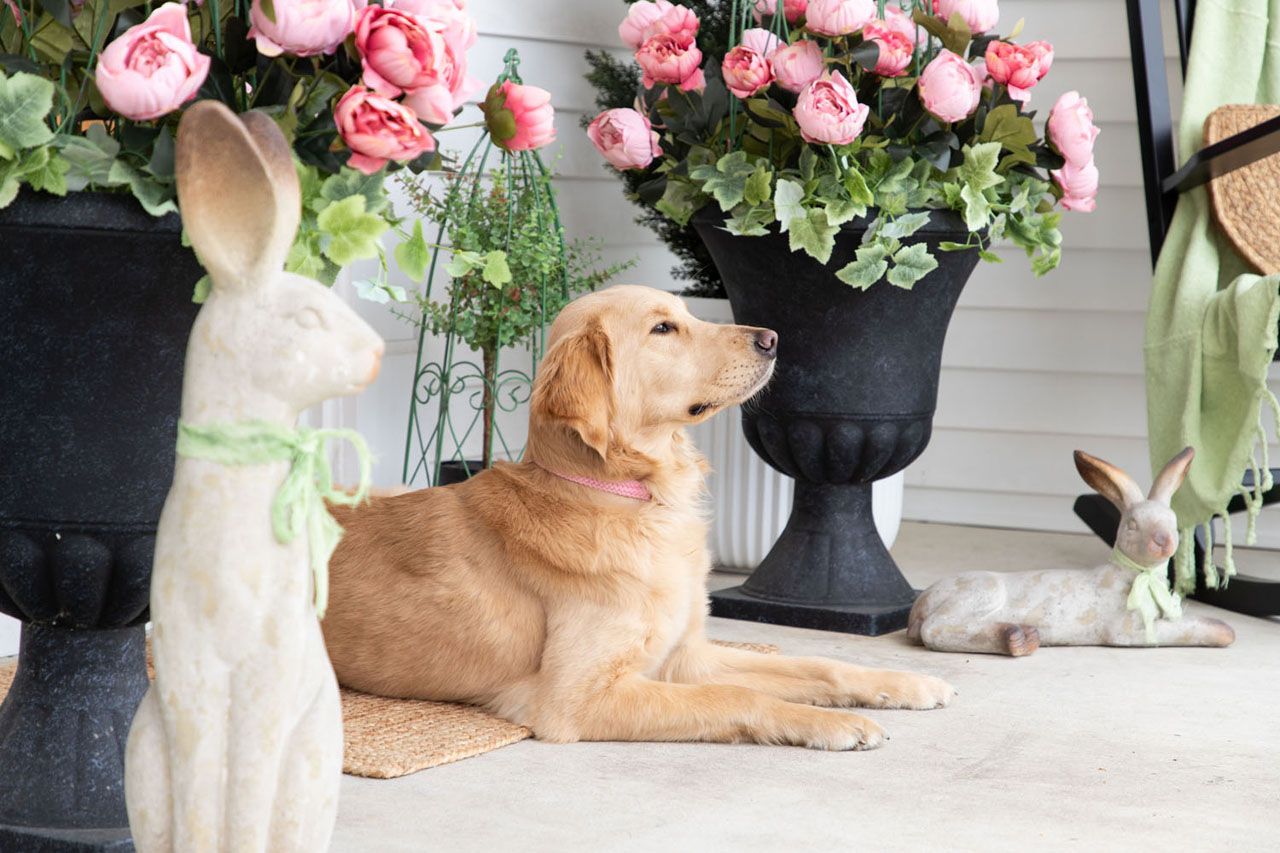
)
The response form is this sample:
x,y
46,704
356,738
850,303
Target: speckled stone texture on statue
x,y
95,308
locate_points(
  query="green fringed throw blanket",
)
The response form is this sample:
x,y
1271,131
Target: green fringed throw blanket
x,y
1211,327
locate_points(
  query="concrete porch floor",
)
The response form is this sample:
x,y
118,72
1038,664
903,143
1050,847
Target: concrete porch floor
x,y
1072,748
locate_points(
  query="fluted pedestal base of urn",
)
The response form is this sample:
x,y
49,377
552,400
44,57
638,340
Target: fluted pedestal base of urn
x,y
851,402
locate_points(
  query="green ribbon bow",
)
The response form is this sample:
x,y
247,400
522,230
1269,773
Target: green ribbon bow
x,y
300,501
1150,593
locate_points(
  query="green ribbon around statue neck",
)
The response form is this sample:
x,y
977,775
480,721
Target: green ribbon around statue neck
x,y
1150,594
300,501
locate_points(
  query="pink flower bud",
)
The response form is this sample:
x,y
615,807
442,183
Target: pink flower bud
x,y
624,138
153,67
828,111
949,87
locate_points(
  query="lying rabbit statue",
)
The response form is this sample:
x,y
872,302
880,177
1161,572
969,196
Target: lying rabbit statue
x,y
1126,602
238,743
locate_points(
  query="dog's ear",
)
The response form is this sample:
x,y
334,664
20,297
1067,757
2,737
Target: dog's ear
x,y
575,386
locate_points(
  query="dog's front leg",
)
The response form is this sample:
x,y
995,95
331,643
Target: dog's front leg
x,y
635,708
816,681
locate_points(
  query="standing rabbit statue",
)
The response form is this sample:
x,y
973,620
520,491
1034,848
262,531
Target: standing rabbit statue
x,y
1126,602
237,746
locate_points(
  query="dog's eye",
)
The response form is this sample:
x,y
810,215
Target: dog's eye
x,y
663,329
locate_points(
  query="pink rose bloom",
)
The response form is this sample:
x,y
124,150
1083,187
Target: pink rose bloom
x,y
901,22
1071,129
797,65
153,67
792,9
436,103
624,138
1018,66
1079,186
761,41
378,129
838,17
302,27
640,16
678,20
446,13
745,71
980,15
671,58
398,53
828,111
896,50
532,118
950,87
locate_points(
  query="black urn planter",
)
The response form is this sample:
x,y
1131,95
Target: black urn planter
x,y
852,402
95,310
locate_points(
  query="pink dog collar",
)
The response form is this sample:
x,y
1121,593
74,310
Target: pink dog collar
x,y
633,489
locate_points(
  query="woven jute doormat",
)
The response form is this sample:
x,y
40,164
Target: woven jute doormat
x,y
386,738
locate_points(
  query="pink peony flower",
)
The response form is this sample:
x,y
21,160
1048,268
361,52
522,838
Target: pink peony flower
x,y
152,68
302,27
624,138
399,54
1079,186
792,9
671,58
980,15
838,17
896,50
678,20
761,41
828,111
519,117
745,71
436,103
640,16
901,22
949,87
1071,129
797,65
1018,66
378,129
451,15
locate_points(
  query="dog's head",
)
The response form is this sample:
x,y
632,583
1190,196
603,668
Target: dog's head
x,y
627,368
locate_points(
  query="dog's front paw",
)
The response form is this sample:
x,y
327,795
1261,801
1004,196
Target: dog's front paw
x,y
909,690
840,732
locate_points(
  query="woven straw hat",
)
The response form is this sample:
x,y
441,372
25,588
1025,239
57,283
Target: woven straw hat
x,y
1246,202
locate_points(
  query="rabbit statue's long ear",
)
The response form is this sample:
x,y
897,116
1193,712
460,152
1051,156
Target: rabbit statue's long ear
x,y
1171,477
1108,480
238,192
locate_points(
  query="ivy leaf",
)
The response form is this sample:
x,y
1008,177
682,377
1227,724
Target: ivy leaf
x,y
954,34
904,226
727,180
413,255
910,264
1046,262
758,188
49,174
867,268
25,100
379,291
990,257
89,157
977,210
979,167
842,210
201,293
496,270
814,235
787,198
856,185
680,200
750,221
464,263
353,233
156,198
9,186
1013,131
350,182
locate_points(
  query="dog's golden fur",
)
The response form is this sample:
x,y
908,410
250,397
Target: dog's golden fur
x,y
578,613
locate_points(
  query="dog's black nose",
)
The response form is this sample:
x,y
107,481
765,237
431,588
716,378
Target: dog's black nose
x,y
767,342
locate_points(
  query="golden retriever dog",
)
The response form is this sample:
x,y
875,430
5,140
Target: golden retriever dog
x,y
567,592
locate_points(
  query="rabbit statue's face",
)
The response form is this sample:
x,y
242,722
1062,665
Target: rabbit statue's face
x,y
1148,533
290,339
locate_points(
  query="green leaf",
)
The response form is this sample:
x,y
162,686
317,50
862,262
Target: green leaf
x,y
353,233
1013,131
977,209
496,270
910,264
867,268
750,221
50,175
1047,262
787,198
949,246
201,293
350,182
814,235
155,197
841,210
464,263
413,255
680,200
89,157
990,257
25,100
759,186
379,291
727,180
9,186
904,226
954,34
979,167
856,185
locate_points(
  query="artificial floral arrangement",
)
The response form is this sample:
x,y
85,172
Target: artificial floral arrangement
x,y
91,93
834,110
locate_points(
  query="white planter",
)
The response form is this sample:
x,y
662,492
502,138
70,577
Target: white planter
x,y
750,502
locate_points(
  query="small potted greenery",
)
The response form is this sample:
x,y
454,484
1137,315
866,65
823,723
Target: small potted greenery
x,y
846,164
